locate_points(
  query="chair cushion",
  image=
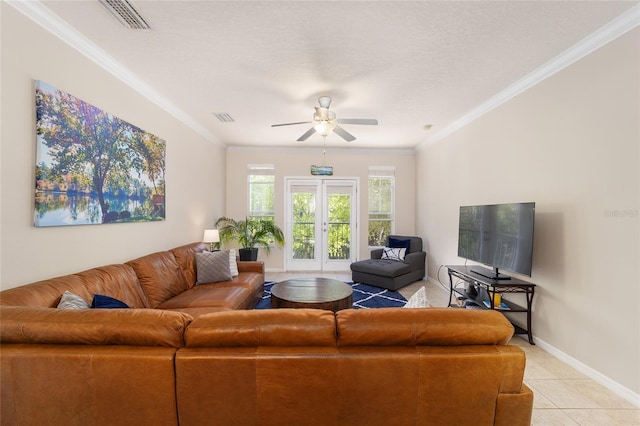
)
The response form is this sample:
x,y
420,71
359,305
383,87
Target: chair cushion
x,y
381,267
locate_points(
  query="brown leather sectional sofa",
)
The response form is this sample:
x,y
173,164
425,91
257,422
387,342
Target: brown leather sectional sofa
x,y
194,355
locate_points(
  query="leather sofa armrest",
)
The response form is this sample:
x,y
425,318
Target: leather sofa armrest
x,y
514,409
251,266
376,253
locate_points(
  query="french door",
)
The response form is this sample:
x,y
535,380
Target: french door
x,y
320,224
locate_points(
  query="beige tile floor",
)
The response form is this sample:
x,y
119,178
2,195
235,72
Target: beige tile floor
x,y
562,395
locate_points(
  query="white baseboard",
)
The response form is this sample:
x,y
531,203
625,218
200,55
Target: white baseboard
x,y
443,286
594,375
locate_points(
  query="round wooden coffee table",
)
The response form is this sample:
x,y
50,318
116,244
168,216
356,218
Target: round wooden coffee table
x,y
317,293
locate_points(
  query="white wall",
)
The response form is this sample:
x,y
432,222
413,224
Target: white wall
x,y
345,162
571,144
195,167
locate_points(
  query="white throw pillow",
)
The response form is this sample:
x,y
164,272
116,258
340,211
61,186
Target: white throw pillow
x,y
233,264
393,253
72,301
418,300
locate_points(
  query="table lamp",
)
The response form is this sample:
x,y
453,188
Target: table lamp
x,y
211,236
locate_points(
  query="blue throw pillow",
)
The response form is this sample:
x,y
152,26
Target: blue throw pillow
x,y
398,243
105,302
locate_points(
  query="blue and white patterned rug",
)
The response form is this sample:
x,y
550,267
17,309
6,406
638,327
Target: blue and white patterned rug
x,y
364,297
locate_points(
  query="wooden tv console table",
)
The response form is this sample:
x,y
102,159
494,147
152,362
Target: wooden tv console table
x,y
484,299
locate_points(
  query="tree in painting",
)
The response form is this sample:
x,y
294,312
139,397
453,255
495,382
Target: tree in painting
x,y
92,166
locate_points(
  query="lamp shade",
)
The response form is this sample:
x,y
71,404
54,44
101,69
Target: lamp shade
x,y
211,236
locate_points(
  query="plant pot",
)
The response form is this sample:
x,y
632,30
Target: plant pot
x,y
248,253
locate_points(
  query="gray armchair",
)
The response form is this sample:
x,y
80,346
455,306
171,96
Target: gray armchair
x,y
392,274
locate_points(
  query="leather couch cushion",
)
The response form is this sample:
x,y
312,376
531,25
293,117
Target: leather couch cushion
x,y
275,327
196,312
227,297
252,281
141,327
88,385
119,281
160,276
432,326
186,258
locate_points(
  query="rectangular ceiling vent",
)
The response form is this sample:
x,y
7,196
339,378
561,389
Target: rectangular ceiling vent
x,y
224,117
126,14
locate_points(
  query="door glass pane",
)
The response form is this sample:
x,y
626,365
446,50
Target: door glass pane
x,y
339,227
303,225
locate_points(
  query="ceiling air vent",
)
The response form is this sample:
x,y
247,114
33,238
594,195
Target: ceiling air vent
x,y
126,14
224,117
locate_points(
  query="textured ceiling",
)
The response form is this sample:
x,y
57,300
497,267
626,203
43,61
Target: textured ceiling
x,y
406,64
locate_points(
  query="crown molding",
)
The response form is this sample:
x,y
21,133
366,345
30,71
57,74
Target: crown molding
x,y
51,22
329,149
609,32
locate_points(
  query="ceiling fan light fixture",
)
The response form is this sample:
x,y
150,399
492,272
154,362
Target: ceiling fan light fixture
x,y
325,122
324,128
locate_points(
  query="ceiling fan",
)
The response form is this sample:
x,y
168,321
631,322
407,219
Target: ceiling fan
x,y
325,121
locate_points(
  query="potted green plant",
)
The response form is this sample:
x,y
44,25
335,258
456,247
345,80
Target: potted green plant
x,y
251,233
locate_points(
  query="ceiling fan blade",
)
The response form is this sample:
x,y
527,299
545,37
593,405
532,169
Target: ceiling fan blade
x,y
306,135
344,134
369,121
290,124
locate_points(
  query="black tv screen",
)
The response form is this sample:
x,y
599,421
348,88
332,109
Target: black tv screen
x,y
498,235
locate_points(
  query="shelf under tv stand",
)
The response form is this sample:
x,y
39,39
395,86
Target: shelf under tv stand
x,y
491,286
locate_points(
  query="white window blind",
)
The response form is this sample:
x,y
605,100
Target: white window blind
x,y
261,182
381,188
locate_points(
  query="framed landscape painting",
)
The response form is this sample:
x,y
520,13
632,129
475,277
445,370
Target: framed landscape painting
x,y
322,170
92,167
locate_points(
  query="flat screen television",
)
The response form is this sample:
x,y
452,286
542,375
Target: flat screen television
x,y
499,236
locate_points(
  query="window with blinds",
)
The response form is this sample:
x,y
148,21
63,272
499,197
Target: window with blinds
x,y
261,182
381,184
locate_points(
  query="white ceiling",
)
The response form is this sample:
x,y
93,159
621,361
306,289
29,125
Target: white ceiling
x,y
407,64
